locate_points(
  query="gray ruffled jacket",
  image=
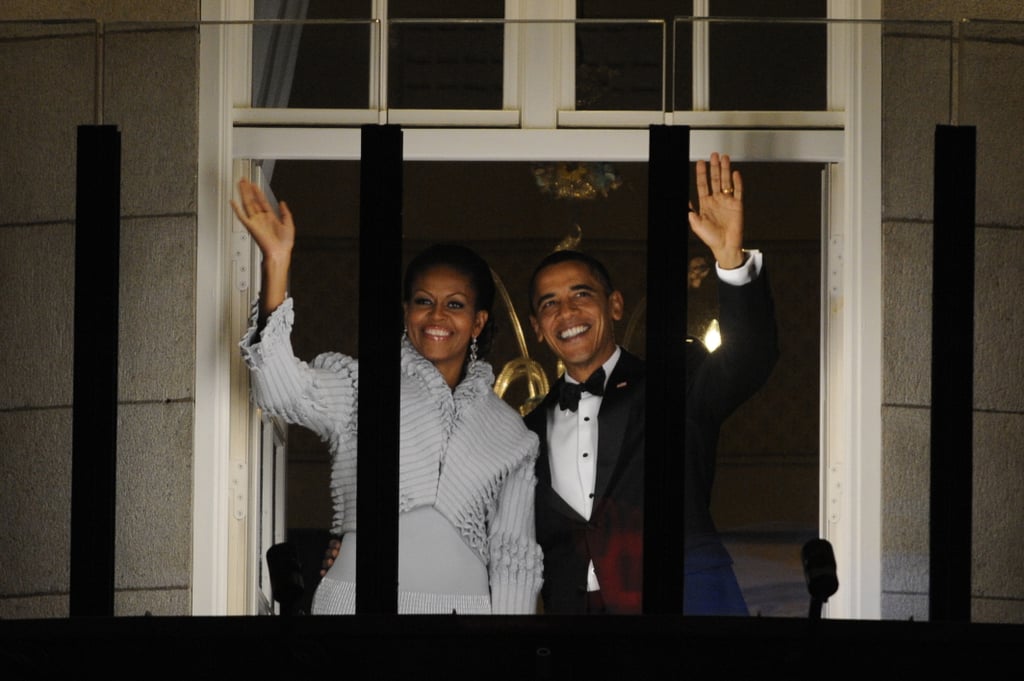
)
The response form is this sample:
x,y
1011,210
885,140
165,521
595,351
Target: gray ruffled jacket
x,y
467,453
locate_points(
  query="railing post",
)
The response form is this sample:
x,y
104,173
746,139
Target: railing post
x,y
94,428
952,375
380,290
667,235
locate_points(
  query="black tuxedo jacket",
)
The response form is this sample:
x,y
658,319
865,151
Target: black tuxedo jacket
x,y
716,383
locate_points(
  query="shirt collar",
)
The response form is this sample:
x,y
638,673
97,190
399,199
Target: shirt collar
x,y
608,366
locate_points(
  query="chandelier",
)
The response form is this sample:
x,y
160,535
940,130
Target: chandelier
x,y
569,180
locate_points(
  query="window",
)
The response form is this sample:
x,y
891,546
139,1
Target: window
x,y
546,129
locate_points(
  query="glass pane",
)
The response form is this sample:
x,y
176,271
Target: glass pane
x,y
764,499
620,65
501,210
445,65
449,9
767,66
681,35
513,214
765,496
312,60
324,198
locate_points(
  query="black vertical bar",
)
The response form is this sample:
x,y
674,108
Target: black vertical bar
x,y
380,290
667,234
952,375
94,418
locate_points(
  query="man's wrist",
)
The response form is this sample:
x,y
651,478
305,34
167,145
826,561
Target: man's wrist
x,y
745,273
731,260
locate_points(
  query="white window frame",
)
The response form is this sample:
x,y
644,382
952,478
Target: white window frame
x,y
850,484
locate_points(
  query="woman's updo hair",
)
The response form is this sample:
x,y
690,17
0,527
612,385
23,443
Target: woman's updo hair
x,y
465,261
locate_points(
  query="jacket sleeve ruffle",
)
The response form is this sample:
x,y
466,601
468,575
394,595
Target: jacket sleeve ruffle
x,y
321,396
516,561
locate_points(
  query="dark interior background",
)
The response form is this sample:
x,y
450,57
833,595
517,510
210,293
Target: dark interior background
x,y
766,493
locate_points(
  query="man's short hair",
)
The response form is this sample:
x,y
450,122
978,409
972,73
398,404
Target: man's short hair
x,y
593,264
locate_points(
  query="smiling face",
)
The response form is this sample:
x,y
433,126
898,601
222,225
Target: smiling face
x,y
441,319
575,317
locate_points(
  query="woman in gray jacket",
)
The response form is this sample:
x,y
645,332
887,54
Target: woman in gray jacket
x,y
466,476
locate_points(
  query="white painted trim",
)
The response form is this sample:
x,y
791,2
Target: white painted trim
x,y
541,49
510,62
245,450
761,119
472,118
566,118
212,389
609,119
705,119
339,117
852,470
296,143
566,73
540,145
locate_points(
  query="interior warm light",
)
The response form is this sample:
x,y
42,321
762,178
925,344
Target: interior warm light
x,y
712,336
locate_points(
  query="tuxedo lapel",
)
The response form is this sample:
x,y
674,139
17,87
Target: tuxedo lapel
x,y
623,388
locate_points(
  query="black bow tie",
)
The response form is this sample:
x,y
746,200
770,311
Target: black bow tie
x,y
569,394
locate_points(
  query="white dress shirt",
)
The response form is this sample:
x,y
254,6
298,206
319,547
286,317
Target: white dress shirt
x,y
572,440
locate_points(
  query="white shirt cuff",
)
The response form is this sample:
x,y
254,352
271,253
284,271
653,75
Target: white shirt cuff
x,y
745,273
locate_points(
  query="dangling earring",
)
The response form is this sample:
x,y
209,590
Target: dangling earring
x,y
472,351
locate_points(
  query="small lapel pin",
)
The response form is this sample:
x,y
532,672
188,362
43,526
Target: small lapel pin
x,y
621,385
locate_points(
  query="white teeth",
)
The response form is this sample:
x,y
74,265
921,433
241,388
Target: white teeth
x,y
573,332
437,333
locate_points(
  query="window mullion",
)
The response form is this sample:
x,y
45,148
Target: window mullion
x,y
701,47
546,65
378,99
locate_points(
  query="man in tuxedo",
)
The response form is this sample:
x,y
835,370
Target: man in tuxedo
x,y
589,501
